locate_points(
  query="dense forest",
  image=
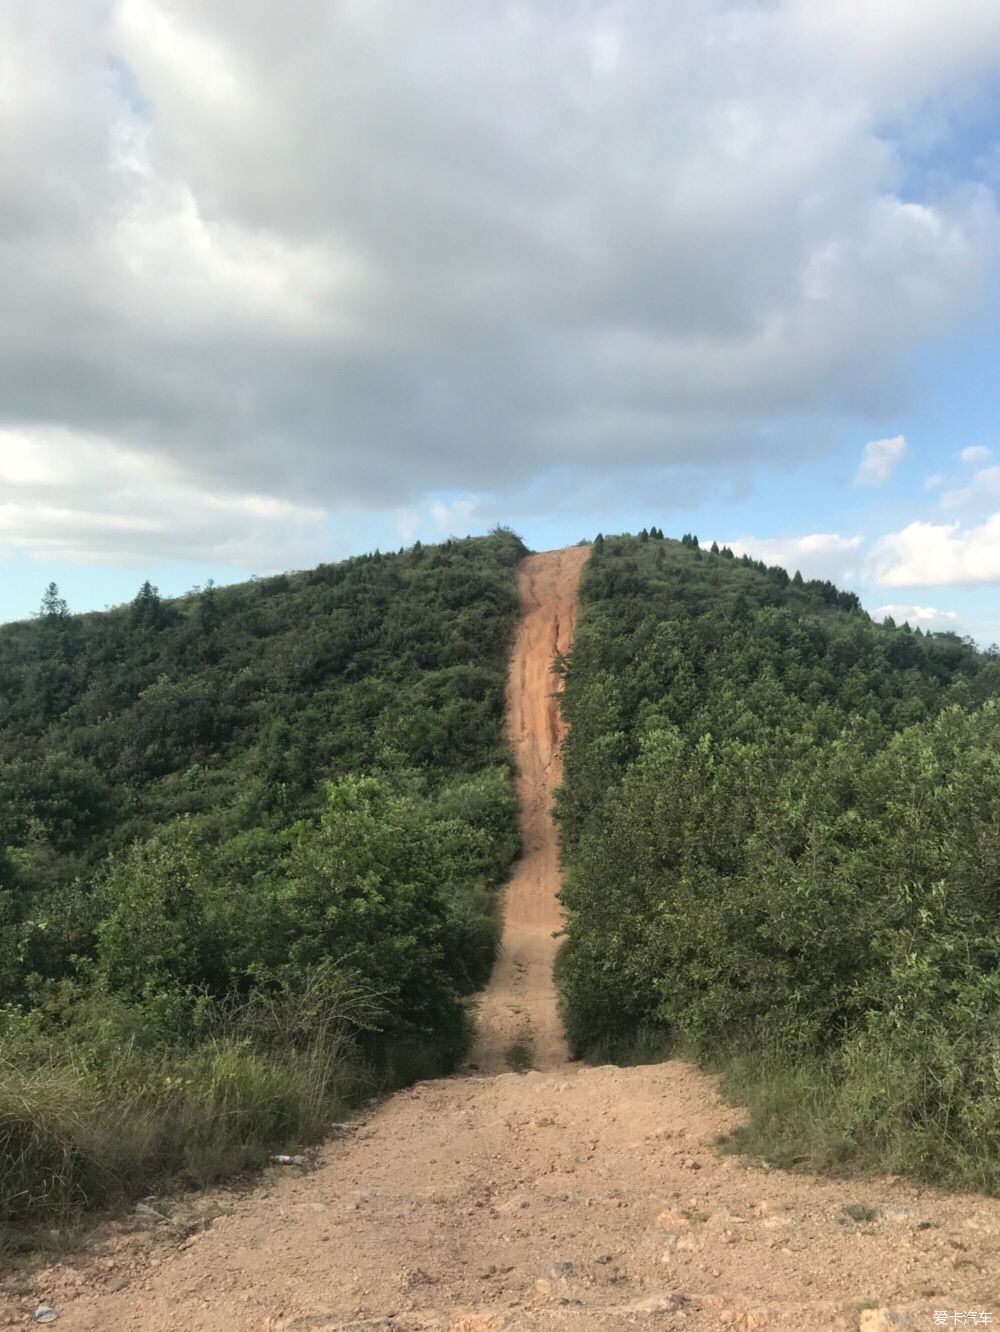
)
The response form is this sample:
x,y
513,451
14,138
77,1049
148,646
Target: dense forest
x,y
249,842
781,838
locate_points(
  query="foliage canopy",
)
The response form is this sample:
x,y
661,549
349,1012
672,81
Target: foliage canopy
x,y
780,829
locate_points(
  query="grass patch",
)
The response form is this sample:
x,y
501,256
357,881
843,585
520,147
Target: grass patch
x,y
95,1113
72,1140
519,1056
879,1110
859,1211
793,1114
648,1045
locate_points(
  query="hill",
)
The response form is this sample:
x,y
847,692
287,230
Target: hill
x,y
250,841
253,836
780,842
493,1200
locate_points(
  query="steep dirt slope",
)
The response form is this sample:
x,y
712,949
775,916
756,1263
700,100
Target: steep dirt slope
x,y
566,1198
520,1003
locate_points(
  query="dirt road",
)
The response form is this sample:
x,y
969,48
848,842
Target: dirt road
x,y
519,1005
570,1197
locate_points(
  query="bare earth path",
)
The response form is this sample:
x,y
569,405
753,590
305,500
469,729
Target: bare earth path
x,y
570,1197
520,1003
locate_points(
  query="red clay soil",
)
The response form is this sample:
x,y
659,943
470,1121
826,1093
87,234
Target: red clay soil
x,y
519,1006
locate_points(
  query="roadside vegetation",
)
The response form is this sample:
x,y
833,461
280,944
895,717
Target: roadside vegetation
x,y
781,836
249,846
519,1056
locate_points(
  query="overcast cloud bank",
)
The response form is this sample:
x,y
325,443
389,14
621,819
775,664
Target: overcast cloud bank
x,y
266,266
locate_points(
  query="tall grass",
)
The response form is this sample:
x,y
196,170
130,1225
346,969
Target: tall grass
x,y
92,1119
928,1106
70,1141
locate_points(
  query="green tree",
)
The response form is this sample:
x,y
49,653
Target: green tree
x,y
54,607
367,890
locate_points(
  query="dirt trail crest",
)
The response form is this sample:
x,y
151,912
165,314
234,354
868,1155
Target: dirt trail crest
x,y
561,1200
519,1005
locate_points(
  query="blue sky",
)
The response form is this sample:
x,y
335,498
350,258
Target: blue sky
x,y
283,287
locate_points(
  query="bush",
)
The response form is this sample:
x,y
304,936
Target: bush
x,y
771,865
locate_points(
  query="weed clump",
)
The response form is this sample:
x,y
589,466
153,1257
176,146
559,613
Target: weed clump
x,y
519,1056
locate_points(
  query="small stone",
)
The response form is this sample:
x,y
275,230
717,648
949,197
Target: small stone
x,y
671,1219
692,1164
757,1318
661,1302
884,1320
560,1271
898,1215
728,1316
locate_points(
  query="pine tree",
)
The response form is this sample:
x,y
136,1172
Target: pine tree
x,y
54,606
147,609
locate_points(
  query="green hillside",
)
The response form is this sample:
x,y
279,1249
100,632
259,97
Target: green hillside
x,y
248,846
250,842
781,835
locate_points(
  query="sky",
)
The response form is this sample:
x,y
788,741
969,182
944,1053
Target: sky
x,y
283,283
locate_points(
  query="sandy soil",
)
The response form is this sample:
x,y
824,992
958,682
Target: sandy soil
x,y
568,1197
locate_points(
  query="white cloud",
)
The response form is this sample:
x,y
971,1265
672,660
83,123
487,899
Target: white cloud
x,y
353,257
954,499
84,498
927,617
817,555
937,554
976,453
989,479
454,518
878,459
932,482
407,523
